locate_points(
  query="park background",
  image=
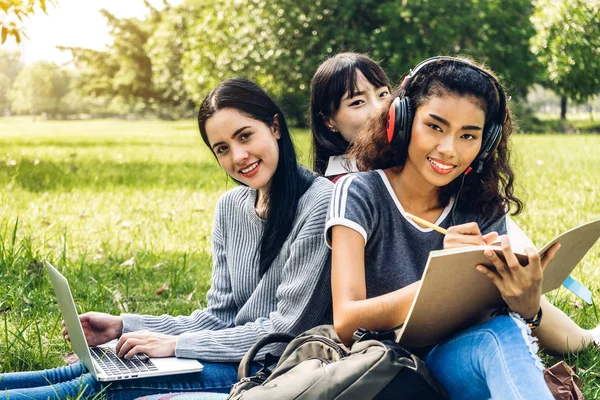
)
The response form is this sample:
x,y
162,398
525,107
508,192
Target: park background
x,y
102,170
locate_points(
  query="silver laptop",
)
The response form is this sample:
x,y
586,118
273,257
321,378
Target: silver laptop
x,y
102,361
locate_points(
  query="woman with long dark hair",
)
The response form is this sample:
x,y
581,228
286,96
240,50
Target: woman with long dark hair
x,y
270,265
345,90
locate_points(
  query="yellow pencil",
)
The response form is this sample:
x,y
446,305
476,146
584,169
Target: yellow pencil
x,y
427,224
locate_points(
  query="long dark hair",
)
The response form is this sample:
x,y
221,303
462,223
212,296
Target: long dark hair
x,y
333,79
289,182
491,191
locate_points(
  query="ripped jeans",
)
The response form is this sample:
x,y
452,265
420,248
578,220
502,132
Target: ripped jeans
x,y
494,360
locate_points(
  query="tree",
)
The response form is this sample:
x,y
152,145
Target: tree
x,y
123,73
133,79
568,45
18,9
280,43
39,88
9,68
495,32
165,49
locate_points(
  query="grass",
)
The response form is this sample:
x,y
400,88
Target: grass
x,y
121,207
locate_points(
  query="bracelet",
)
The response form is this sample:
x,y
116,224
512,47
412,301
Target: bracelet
x,y
534,323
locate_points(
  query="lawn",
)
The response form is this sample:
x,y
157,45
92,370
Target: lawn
x,y
124,208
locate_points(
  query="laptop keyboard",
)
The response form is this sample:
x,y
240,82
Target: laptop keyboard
x,y
113,365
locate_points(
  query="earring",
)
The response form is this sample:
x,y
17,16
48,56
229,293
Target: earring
x,y
332,129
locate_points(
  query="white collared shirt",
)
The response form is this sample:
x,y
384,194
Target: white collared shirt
x,y
340,165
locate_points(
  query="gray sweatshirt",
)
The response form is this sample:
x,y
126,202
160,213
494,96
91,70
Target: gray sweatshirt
x,y
293,296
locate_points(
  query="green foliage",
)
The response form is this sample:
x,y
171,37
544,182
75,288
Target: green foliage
x,y
568,44
9,68
223,39
10,64
167,62
122,75
165,50
40,88
495,32
133,79
280,43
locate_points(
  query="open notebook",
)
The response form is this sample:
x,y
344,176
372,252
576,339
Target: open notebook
x,y
452,295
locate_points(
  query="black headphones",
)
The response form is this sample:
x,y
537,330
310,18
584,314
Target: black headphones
x,y
400,115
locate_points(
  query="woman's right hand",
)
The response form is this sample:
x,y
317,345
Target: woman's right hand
x,y
520,286
467,235
98,328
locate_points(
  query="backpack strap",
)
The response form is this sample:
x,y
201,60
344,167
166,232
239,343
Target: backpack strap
x,y
246,363
365,334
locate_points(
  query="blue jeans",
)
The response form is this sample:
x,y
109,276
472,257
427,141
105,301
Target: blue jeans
x,y
496,360
74,380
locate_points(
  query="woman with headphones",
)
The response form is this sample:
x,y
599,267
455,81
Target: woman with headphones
x,y
440,153
346,90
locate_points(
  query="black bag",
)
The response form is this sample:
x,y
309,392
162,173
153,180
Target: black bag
x,y
317,365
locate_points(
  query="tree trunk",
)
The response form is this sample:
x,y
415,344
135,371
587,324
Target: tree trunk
x,y
563,107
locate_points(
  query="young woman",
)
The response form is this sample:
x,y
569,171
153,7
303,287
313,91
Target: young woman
x,y
270,265
446,161
346,90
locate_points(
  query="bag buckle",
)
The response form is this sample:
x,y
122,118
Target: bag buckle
x,y
365,334
362,334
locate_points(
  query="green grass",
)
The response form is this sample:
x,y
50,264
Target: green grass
x,y
91,195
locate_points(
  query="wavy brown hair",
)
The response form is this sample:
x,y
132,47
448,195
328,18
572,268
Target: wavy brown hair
x,y
492,190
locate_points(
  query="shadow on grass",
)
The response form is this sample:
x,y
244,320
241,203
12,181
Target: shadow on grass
x,y
48,176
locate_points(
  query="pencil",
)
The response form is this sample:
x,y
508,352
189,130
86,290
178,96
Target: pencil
x,y
427,224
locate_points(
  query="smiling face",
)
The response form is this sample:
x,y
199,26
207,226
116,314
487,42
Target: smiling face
x,y
246,148
354,111
447,133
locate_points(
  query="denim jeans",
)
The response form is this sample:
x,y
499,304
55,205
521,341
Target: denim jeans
x,y
496,360
74,380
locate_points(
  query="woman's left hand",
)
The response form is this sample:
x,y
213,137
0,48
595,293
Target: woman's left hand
x,y
151,343
520,287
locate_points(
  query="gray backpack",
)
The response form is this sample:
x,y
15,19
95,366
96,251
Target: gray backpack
x,y
316,365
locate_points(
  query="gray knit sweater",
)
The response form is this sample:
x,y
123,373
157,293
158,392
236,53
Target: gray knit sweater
x,y
293,296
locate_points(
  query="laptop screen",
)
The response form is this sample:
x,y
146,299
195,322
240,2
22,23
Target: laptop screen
x,y
69,312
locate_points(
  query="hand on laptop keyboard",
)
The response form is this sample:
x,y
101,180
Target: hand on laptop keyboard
x,y
151,343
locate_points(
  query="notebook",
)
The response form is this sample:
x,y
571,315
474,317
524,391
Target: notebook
x,y
102,361
453,296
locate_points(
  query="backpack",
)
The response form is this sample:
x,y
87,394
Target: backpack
x,y
317,365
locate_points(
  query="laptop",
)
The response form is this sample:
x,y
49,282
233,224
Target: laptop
x,y
102,361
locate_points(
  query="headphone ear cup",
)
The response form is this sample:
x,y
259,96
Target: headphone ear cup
x,y
392,122
492,137
399,122
407,123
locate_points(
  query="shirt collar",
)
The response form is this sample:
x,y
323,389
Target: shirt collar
x,y
339,165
